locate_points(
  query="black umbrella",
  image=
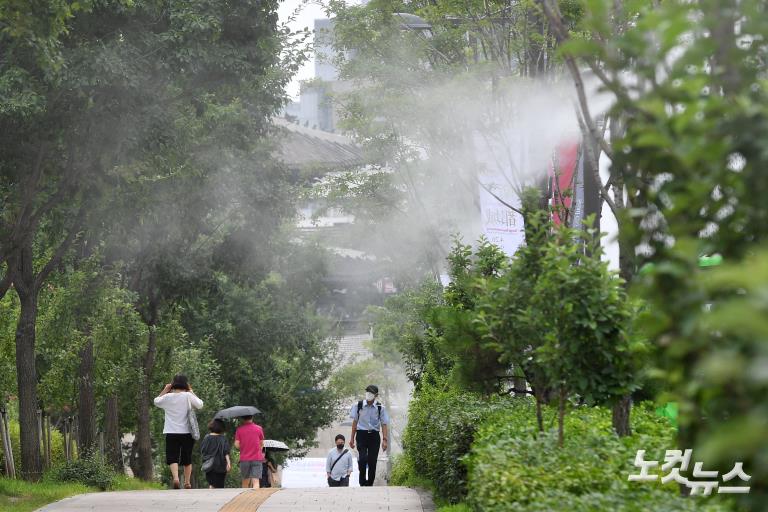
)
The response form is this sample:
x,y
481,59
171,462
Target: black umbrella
x,y
237,411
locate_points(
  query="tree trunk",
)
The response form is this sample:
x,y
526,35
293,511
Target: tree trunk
x,y
623,408
621,415
143,438
561,419
133,460
539,414
113,446
86,401
26,373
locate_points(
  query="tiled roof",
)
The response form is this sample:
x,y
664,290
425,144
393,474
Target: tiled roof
x,y
302,147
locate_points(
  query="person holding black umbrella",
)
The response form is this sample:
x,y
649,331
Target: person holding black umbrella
x,y
248,439
369,417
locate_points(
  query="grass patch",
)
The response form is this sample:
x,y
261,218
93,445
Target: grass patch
x,y
21,496
458,507
126,483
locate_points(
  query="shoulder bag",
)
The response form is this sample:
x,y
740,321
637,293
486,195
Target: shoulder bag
x,y
194,428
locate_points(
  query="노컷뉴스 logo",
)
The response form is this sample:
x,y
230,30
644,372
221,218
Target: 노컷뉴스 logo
x,y
676,461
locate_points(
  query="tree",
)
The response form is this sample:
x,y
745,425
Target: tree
x,y
590,44
505,304
275,351
403,333
583,314
695,153
100,115
477,365
443,110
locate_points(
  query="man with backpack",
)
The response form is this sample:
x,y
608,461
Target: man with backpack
x,y
338,466
369,417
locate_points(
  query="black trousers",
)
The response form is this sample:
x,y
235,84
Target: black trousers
x,y
368,443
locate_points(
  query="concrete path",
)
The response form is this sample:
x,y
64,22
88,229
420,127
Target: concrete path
x,y
349,499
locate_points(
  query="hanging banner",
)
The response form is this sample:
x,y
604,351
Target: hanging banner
x,y
502,226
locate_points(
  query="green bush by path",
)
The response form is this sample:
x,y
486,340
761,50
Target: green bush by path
x,y
440,431
514,468
93,471
404,474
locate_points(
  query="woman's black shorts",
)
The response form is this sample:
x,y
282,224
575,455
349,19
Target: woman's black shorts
x,y
178,449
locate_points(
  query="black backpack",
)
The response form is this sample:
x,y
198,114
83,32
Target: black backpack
x,y
360,408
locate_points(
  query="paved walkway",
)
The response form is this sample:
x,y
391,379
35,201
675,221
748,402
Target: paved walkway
x,y
350,499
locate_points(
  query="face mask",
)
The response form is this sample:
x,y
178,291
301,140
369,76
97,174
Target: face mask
x,y
369,396
340,446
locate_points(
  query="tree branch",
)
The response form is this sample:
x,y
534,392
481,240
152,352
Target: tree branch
x,y
594,164
516,210
555,18
62,249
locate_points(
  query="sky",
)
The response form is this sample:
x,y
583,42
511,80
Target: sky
x,y
309,11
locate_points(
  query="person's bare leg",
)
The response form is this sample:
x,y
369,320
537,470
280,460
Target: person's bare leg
x,y
246,483
174,472
256,483
188,474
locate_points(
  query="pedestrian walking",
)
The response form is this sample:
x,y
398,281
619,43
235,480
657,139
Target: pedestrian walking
x,y
214,451
268,471
369,417
338,465
248,439
177,400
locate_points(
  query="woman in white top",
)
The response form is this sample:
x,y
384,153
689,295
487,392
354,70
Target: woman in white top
x,y
175,399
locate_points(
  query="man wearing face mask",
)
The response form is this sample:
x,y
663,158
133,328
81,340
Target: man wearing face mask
x,y
368,418
338,465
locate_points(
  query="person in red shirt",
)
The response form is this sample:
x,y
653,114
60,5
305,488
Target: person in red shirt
x,y
249,439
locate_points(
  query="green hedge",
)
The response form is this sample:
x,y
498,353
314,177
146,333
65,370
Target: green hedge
x,y
512,467
440,431
93,471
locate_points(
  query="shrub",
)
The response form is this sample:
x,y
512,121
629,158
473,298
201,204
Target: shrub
x,y
93,471
404,473
512,467
441,428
